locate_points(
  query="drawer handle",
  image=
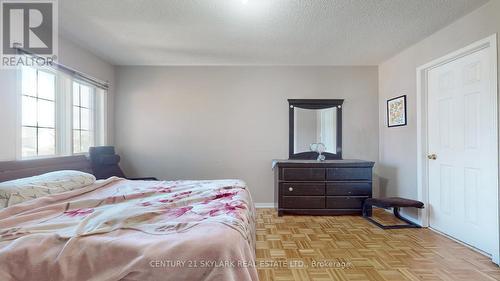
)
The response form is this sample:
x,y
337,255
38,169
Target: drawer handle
x,y
290,189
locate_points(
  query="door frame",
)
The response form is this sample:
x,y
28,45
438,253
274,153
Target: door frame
x,y
422,133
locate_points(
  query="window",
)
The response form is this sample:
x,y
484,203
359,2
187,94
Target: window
x,y
61,115
38,113
83,99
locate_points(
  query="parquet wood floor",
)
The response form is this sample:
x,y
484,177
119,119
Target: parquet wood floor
x,y
325,248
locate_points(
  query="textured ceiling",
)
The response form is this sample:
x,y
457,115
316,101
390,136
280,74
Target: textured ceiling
x,y
254,32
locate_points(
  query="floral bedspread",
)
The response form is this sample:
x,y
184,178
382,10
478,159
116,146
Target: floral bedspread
x,y
157,207
119,229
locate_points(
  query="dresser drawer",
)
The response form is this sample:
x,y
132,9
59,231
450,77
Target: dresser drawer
x,y
340,202
303,202
303,174
294,189
350,174
349,188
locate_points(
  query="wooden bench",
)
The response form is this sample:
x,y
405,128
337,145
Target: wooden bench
x,y
391,202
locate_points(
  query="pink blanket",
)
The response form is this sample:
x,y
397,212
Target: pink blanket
x,y
132,230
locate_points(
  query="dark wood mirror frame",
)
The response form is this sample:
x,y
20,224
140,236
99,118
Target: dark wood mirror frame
x,y
314,104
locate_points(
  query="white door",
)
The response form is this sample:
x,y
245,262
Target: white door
x,y
462,135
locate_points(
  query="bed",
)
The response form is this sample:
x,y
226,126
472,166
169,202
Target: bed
x,y
117,229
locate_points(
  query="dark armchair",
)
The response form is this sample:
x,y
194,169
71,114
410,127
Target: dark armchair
x,y
105,162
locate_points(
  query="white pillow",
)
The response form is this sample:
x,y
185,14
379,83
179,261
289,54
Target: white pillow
x,y
21,190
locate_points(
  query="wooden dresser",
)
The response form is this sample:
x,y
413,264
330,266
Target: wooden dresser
x,y
331,187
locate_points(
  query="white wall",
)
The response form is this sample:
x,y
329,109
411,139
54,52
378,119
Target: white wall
x,y
69,55
8,114
230,122
397,76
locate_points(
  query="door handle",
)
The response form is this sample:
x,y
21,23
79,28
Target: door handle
x,y
432,156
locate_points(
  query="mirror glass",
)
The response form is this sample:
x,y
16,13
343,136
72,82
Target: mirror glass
x,y
315,126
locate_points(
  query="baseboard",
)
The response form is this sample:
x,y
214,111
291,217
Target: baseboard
x,y
264,205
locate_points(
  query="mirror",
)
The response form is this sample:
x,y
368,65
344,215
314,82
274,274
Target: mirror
x,y
315,126
315,121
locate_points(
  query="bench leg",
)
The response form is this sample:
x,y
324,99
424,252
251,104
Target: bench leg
x,y
409,224
367,211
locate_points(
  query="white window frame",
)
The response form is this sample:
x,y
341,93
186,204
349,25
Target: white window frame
x,y
64,114
94,116
19,123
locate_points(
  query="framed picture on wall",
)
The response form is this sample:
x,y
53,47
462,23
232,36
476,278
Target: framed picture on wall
x,y
396,112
